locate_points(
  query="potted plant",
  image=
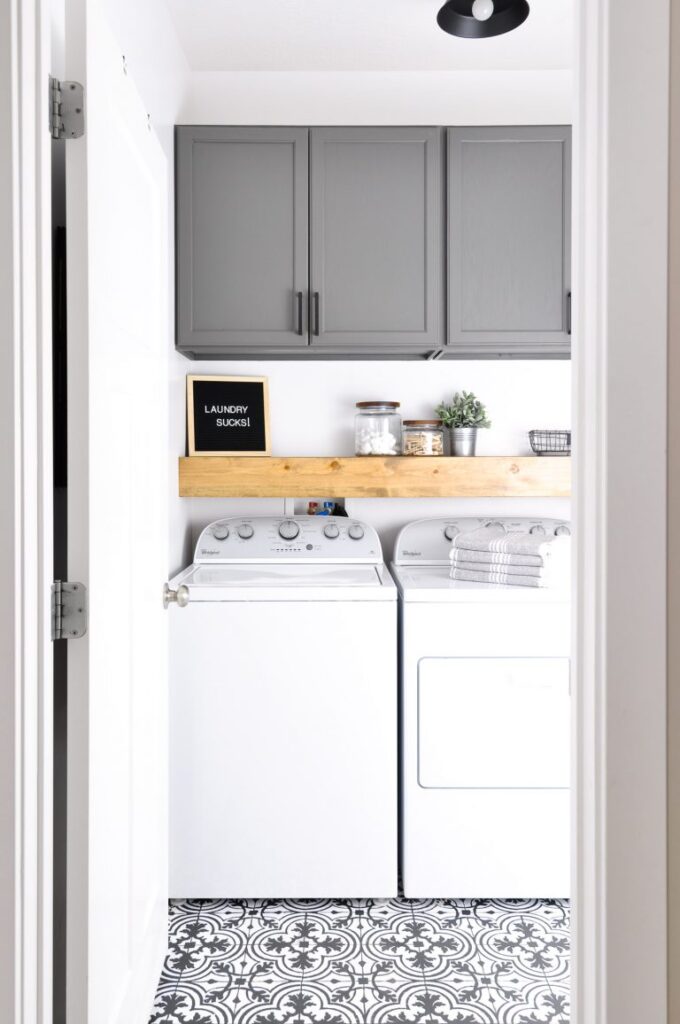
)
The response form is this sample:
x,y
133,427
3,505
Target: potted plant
x,y
464,416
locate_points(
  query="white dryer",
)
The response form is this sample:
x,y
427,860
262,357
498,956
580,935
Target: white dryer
x,y
283,713
485,724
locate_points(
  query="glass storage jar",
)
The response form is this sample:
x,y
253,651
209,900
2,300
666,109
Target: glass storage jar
x,y
377,429
423,437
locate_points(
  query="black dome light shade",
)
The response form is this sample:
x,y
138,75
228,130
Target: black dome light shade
x,y
456,18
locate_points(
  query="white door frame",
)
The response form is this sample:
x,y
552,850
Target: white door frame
x,y
621,256
621,143
25,518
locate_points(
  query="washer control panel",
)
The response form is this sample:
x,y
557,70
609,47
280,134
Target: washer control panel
x,y
428,541
289,539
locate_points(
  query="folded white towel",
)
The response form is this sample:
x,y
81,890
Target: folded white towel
x,y
490,538
499,578
525,575
497,558
459,561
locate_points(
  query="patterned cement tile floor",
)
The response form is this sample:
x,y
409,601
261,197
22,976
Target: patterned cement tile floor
x,y
366,962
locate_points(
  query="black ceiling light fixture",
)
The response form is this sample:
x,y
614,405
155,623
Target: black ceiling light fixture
x,y
480,19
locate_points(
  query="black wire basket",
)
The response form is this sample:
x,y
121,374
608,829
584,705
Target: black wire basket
x,y
550,442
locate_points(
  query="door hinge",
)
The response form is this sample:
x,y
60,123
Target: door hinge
x,y
67,109
69,610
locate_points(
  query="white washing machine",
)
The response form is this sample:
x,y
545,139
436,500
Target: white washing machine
x,y
283,713
485,808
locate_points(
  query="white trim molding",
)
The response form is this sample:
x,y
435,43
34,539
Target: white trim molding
x,y
620,344
25,519
673,520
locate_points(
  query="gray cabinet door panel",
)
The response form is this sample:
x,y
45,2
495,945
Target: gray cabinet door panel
x,y
376,260
242,237
509,239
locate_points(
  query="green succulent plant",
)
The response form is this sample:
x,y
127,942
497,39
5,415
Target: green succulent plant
x,y
465,410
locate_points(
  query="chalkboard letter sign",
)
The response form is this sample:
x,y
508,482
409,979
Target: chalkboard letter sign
x,y
228,415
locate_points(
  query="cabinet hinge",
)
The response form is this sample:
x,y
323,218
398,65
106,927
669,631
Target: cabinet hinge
x,y
69,610
67,109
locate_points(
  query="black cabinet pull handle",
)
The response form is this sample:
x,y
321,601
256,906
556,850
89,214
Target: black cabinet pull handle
x,y
568,312
316,314
298,300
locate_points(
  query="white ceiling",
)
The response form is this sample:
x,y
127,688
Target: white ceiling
x,y
361,35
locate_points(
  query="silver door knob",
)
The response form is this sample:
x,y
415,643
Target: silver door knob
x,y
180,597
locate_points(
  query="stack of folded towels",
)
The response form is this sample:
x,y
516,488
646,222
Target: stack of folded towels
x,y
490,555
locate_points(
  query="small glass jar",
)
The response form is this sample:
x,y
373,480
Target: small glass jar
x,y
423,437
377,429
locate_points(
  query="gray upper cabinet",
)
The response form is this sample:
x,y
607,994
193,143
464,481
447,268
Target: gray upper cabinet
x,y
369,242
242,239
509,211
376,230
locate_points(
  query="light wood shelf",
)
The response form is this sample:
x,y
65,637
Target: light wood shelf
x,y
205,476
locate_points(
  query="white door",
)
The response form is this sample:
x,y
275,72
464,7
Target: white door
x,y
117,198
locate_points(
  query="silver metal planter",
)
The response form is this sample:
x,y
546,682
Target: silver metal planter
x,y
463,440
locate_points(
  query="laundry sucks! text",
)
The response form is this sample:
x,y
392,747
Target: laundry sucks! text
x,y
236,415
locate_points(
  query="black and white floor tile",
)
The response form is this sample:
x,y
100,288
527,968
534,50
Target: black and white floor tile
x,y
393,961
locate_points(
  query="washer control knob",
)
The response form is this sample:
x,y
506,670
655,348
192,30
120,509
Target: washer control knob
x,y
450,532
537,529
289,529
562,531
331,531
495,525
220,532
356,531
245,531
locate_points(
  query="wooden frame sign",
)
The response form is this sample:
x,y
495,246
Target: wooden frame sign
x,y
228,415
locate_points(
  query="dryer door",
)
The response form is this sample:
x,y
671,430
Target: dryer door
x,y
493,723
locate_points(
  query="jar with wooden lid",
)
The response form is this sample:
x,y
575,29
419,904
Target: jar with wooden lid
x,y
377,428
423,437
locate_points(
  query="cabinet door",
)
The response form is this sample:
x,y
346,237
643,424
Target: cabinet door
x,y
509,240
376,239
242,238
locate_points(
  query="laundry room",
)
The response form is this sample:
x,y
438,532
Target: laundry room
x,y
340,436
340,409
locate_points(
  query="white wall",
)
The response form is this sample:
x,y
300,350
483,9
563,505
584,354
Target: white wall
x,y
379,97
312,413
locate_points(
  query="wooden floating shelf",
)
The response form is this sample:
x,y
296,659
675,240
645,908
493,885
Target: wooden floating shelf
x,y
502,476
